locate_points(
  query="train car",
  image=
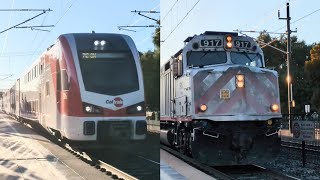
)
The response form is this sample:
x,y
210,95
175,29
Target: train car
x,y
85,87
218,102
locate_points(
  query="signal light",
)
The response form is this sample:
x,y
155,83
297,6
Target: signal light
x,y
228,41
240,81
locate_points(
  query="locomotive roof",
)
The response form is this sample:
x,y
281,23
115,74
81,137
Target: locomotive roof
x,y
212,33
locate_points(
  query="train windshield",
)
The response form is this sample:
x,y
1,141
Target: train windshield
x,y
248,59
204,58
110,73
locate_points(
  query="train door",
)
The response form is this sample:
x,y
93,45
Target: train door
x,y
18,104
42,94
39,106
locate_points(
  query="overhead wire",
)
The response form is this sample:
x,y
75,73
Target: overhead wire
x,y
146,27
7,33
138,20
18,54
6,38
43,40
165,16
147,38
180,22
299,19
134,23
269,17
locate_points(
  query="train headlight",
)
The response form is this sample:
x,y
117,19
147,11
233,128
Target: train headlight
x,y
136,108
274,107
88,109
203,107
139,108
91,109
240,81
269,122
103,42
96,42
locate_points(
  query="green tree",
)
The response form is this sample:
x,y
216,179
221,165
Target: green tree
x,y
156,38
150,62
313,75
277,60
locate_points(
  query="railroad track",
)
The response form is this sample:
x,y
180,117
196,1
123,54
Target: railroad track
x,y
136,165
232,172
140,160
121,162
296,145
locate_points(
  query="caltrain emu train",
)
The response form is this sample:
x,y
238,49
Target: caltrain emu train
x,y
218,102
85,87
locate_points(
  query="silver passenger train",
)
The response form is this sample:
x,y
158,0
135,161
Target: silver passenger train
x,y
218,102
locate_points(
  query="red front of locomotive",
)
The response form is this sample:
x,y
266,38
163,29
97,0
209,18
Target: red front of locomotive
x,y
98,84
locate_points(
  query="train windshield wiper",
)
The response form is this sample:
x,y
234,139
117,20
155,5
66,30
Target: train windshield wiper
x,y
204,54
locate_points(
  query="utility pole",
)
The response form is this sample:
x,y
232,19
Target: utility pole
x,y
289,79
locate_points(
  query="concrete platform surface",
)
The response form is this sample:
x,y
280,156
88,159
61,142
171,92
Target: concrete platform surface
x,y
26,155
174,168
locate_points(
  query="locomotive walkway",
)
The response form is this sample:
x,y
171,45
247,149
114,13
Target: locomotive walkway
x,y
26,155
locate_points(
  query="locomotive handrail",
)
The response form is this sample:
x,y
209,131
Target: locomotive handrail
x,y
275,132
217,136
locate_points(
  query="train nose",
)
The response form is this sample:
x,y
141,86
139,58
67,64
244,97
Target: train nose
x,y
241,142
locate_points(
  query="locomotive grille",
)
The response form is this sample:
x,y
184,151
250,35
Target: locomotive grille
x,y
114,130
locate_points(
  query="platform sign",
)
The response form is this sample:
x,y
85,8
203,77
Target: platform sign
x,y
303,130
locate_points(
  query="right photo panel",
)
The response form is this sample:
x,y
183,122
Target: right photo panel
x,y
239,90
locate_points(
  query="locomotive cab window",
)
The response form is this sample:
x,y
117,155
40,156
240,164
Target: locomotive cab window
x,y
248,59
205,58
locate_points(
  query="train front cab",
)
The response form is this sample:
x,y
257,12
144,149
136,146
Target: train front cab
x,y
103,95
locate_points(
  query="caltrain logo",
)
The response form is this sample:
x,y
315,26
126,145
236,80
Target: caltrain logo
x,y
118,102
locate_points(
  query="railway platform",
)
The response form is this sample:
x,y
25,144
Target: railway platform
x,y
174,168
26,155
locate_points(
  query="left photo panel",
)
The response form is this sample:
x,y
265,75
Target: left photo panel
x,y
79,90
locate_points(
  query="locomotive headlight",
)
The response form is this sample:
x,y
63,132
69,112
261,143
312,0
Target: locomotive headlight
x,y
269,122
240,80
274,107
203,107
139,108
229,45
